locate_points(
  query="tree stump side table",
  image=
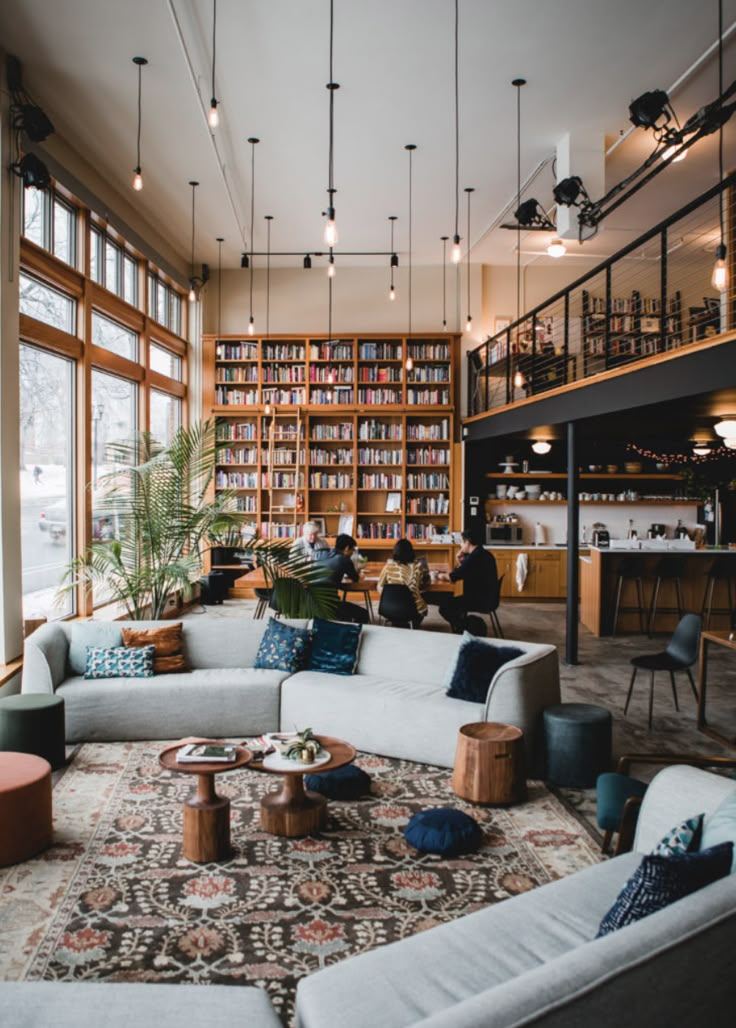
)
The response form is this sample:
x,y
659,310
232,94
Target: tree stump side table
x,y
490,766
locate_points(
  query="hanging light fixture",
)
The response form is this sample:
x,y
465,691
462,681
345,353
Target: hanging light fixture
x,y
269,219
719,278
469,322
519,380
252,140
331,236
411,147
725,427
556,248
701,449
541,446
213,117
331,266
394,259
444,282
193,279
455,253
220,241
308,261
137,174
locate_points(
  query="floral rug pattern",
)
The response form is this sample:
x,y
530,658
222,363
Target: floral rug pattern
x,y
114,899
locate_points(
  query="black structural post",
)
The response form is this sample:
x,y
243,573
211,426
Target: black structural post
x,y
573,555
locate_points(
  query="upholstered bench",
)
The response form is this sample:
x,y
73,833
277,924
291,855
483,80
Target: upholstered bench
x,y
25,806
34,723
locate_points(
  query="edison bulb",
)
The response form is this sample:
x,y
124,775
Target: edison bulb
x,y
251,326
409,364
469,324
331,269
667,155
192,294
213,117
719,278
392,293
455,252
138,180
330,232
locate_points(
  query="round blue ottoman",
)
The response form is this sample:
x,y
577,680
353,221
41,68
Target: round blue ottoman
x,y
344,783
443,830
578,743
33,722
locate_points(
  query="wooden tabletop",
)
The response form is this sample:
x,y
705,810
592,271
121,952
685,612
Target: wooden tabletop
x,y
367,582
167,759
341,753
720,638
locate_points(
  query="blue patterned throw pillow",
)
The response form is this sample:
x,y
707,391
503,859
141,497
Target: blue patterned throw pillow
x,y
283,648
120,662
659,881
334,647
683,838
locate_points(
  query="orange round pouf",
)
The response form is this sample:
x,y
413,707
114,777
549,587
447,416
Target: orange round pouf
x,y
25,807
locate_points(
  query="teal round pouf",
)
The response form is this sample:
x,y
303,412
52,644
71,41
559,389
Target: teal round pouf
x,y
444,831
34,723
578,742
612,791
344,783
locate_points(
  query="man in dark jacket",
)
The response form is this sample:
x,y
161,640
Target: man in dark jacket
x,y
478,573
338,565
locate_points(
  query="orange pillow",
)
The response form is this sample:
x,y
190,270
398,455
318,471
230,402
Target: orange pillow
x,y
168,644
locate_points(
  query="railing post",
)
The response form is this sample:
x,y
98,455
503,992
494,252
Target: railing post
x,y
566,337
573,557
663,345
508,365
607,328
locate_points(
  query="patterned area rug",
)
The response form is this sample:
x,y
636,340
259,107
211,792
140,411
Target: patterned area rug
x,y
114,900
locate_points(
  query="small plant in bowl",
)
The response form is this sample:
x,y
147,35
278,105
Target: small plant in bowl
x,y
304,748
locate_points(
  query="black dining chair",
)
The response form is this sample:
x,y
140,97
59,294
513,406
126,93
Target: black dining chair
x,y
491,607
680,655
397,606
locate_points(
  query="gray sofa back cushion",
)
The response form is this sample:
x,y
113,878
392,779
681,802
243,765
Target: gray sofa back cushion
x,y
91,633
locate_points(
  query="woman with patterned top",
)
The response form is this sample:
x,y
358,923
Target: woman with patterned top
x,y
404,568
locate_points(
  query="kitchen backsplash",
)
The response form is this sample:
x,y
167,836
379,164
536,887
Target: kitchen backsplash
x,y
613,516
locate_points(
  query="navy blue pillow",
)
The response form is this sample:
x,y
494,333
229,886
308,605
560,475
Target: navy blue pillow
x,y
659,881
283,647
344,783
334,647
443,830
477,663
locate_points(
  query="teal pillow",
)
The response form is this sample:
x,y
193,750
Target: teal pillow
x,y
683,838
283,648
91,633
477,663
120,662
720,826
334,647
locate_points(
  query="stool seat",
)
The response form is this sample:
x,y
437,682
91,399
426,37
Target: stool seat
x,y
33,722
490,763
629,569
667,569
578,741
25,807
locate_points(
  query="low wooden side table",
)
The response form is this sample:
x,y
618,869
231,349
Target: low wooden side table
x,y
490,765
206,815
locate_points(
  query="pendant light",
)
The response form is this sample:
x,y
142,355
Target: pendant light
x,y
268,218
519,380
719,278
725,427
394,259
252,140
213,117
193,280
556,248
444,282
331,266
541,446
220,241
469,322
455,252
411,147
137,174
331,226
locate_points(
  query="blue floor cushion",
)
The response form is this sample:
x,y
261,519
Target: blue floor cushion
x,y
344,783
444,831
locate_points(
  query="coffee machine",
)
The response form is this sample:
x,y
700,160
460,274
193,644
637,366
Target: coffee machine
x,y
657,531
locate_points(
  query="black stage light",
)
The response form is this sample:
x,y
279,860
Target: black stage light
x,y
32,120
32,171
648,108
307,262
568,190
244,262
394,260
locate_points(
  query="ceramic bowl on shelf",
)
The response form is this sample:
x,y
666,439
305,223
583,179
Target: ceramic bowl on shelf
x,y
500,492
521,495
533,491
632,467
594,469
611,468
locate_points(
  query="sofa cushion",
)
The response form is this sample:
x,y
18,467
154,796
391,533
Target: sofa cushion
x,y
342,783
477,663
283,647
334,647
91,633
659,881
119,662
683,838
444,831
720,826
168,642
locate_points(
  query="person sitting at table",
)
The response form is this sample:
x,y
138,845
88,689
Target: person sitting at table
x,y
404,568
477,571
310,544
337,565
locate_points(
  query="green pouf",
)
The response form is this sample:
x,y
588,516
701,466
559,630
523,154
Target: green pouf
x,y
34,723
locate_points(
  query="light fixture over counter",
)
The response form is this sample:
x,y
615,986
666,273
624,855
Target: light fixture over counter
x,y
541,446
137,173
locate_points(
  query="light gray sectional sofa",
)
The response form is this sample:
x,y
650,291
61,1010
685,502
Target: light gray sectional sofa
x,y
394,704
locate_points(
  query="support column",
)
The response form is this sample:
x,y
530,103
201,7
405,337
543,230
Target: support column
x,y
573,555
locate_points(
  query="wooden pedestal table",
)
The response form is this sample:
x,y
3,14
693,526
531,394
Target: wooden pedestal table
x,y
489,763
206,815
708,639
293,810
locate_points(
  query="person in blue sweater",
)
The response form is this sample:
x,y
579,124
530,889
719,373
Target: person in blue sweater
x,y
477,571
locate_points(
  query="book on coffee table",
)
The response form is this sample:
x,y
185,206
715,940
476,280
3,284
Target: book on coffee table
x,y
205,753
259,745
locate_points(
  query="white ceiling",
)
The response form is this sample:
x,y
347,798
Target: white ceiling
x,y
584,61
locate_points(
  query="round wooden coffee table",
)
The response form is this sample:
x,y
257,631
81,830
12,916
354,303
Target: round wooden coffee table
x,y
206,815
489,763
293,810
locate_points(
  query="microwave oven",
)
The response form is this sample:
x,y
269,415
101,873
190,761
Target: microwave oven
x,y
503,532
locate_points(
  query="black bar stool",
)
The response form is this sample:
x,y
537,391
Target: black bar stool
x,y
667,569
630,569
723,569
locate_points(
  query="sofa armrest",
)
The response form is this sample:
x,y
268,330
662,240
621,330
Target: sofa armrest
x,y
45,659
675,793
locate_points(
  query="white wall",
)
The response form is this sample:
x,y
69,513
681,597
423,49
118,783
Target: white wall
x,y
615,517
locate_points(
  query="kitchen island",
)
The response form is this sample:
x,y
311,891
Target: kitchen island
x,y
598,577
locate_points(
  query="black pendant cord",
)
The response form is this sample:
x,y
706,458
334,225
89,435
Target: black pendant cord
x,y
194,186
720,104
329,306
468,190
269,219
518,202
457,127
411,147
214,47
220,241
444,281
140,116
252,140
392,219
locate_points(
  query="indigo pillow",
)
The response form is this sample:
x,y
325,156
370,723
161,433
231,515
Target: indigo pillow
x,y
334,647
450,672
343,783
91,633
168,643
443,830
720,826
683,838
283,647
659,881
119,662
477,663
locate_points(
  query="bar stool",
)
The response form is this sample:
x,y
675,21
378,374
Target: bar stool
x,y
667,569
264,598
723,569
630,569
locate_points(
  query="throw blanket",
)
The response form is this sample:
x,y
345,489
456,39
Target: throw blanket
x,y
522,568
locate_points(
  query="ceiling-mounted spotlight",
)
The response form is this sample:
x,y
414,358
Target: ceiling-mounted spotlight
x,y
531,215
26,116
32,171
649,108
307,261
569,191
556,248
137,174
541,446
213,117
725,427
244,260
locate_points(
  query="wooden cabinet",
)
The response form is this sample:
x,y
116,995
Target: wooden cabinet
x,y
545,578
